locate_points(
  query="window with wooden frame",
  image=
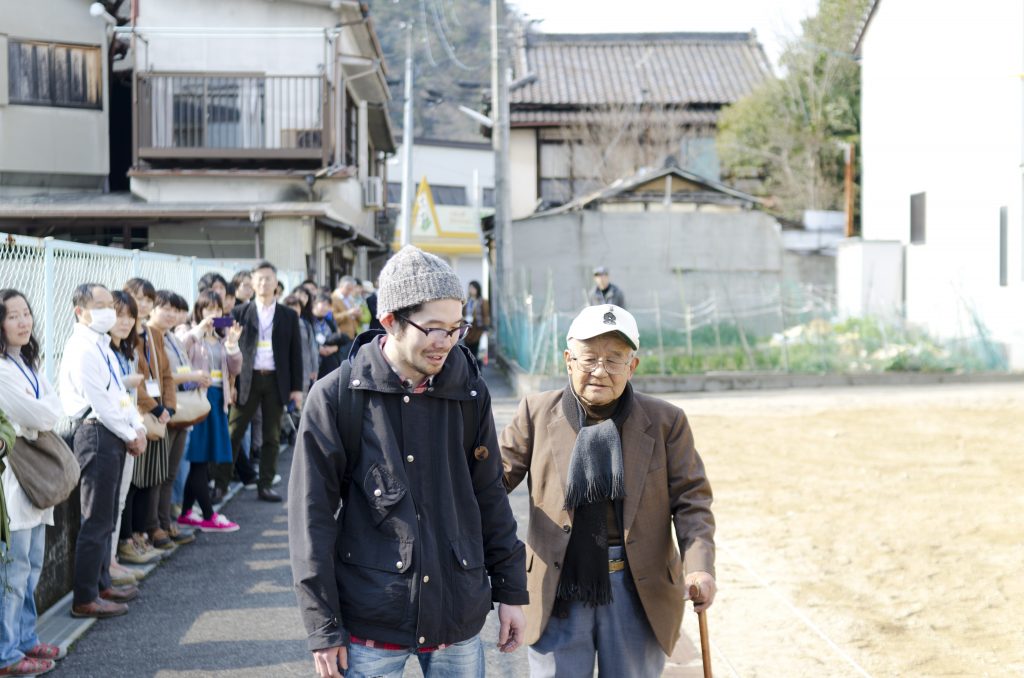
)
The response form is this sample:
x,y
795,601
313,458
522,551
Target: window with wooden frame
x,y
52,74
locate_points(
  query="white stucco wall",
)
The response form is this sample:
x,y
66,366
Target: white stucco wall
x,y
523,161
445,166
50,140
285,55
942,114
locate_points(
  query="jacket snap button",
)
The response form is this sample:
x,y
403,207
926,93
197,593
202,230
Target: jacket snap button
x,y
405,399
472,393
348,555
422,640
410,458
556,565
464,563
565,528
355,382
426,578
399,564
377,493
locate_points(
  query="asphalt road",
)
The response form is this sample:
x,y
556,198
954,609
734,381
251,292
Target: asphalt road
x,y
224,607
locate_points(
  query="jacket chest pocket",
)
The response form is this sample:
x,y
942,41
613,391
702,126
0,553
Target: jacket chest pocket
x,y
383,491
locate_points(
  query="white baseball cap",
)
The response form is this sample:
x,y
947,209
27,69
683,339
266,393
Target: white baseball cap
x,y
594,321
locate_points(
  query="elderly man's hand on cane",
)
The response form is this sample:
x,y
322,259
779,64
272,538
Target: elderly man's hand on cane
x,y
705,593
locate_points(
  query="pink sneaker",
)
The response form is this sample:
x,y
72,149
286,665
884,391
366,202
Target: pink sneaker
x,y
190,518
218,523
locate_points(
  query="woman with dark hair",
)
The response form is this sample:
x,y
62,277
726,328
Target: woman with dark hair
x,y
210,442
123,341
158,398
32,406
477,312
299,302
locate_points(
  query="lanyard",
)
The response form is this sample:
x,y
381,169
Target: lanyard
x,y
171,340
110,368
33,380
145,344
322,326
123,362
265,329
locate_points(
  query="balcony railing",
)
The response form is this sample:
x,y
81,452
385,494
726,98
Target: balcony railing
x,y
232,116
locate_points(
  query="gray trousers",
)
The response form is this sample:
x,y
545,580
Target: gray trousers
x,y
618,634
101,456
160,508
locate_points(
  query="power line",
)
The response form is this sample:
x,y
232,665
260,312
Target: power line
x,y
426,33
439,29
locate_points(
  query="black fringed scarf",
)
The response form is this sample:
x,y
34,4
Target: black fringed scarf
x,y
595,477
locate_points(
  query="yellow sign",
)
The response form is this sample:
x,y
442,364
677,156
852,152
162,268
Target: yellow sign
x,y
424,215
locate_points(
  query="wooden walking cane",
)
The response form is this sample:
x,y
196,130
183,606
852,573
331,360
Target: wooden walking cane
x,y
705,644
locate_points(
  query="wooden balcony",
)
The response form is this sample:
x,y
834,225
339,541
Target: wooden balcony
x,y
205,118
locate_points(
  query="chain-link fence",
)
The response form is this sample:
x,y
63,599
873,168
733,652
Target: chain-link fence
x,y
785,328
47,271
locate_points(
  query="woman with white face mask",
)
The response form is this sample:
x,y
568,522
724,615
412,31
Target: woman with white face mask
x,y
31,405
108,426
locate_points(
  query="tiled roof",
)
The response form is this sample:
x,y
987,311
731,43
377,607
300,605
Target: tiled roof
x,y
628,68
543,117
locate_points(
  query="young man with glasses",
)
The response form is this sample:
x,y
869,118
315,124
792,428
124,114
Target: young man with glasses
x,y
608,468
402,540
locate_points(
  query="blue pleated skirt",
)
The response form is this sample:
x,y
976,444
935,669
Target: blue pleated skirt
x,y
210,441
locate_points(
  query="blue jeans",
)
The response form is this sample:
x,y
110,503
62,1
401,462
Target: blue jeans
x,y
22,563
618,633
461,660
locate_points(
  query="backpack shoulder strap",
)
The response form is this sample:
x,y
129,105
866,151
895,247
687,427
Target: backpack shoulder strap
x,y
350,421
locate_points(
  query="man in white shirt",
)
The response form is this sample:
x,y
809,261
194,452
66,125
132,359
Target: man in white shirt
x,y
91,385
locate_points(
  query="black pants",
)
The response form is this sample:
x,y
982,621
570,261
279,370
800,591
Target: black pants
x,y
138,511
197,490
100,455
263,393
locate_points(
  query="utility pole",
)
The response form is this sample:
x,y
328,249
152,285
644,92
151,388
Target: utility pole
x,y
408,131
502,168
848,185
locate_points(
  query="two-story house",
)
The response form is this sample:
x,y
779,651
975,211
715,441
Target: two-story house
x,y
257,129
589,109
943,146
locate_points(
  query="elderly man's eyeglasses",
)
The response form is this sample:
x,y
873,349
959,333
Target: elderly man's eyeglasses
x,y
436,332
589,364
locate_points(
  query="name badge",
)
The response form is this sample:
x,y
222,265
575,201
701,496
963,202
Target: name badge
x,y
264,343
153,388
126,403
184,369
216,375
321,338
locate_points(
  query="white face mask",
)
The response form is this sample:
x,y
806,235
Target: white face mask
x,y
102,320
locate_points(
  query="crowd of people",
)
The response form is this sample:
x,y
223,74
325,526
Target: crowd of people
x,y
160,407
401,534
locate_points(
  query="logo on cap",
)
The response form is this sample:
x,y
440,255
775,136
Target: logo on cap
x,y
609,318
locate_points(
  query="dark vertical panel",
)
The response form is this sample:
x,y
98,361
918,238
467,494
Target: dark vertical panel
x,y
1004,254
917,218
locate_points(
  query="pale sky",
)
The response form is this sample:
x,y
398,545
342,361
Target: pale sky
x,y
774,20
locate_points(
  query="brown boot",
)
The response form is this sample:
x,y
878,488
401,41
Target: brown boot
x,y
120,594
99,609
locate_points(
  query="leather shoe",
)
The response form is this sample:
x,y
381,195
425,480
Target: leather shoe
x,y
267,494
120,594
99,609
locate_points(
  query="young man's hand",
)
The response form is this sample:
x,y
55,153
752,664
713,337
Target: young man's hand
x,y
513,627
329,659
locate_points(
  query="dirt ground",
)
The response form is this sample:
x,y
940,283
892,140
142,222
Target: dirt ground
x,y
864,531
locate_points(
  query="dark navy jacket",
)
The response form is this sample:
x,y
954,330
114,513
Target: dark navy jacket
x,y
426,539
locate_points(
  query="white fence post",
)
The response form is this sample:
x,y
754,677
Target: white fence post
x,y
49,308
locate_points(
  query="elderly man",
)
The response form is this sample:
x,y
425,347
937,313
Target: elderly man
x,y
611,472
604,291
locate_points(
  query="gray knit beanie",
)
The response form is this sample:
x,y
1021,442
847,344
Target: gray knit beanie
x,y
414,277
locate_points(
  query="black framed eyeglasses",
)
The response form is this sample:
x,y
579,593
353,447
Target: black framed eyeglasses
x,y
432,332
588,364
